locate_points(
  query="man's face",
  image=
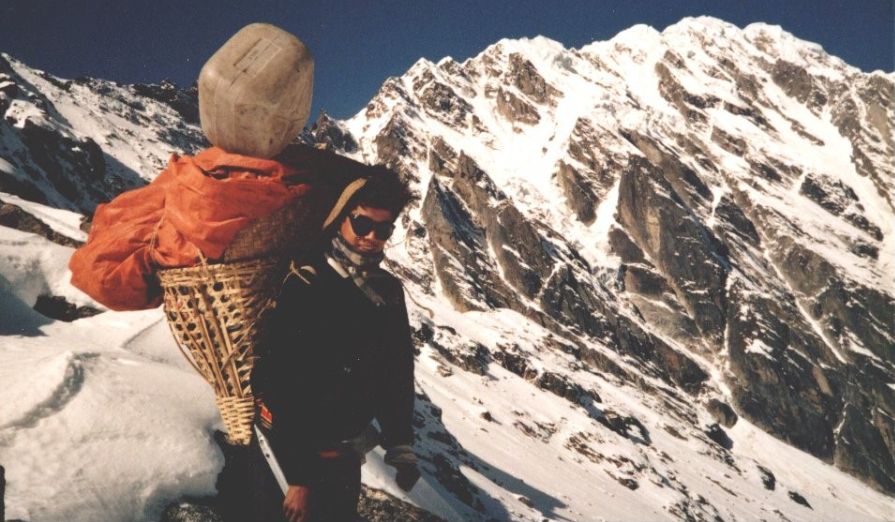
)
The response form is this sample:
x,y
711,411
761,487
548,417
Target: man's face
x,y
370,242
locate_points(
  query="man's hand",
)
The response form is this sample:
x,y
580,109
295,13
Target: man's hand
x,y
403,460
295,505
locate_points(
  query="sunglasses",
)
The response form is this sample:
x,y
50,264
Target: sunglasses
x,y
362,225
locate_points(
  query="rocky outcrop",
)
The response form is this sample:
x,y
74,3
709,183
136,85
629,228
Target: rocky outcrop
x,y
722,412
487,254
798,83
376,505
840,200
515,109
525,77
184,101
442,101
771,367
13,216
678,243
329,133
57,307
55,156
579,195
456,243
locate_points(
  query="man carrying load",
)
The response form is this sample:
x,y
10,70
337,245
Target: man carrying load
x,y
335,353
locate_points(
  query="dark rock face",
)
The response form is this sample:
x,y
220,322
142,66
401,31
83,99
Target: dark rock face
x,y
184,101
456,243
441,101
767,478
838,199
329,133
56,156
626,426
579,195
14,217
798,499
774,381
487,254
392,142
572,302
655,300
56,307
621,245
722,412
378,506
719,436
516,109
798,83
847,311
527,79
732,218
874,437
689,105
658,221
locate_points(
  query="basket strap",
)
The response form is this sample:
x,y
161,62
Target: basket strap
x,y
306,273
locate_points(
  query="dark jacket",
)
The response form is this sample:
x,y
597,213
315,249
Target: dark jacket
x,y
331,361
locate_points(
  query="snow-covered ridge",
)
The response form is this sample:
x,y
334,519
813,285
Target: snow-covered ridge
x,y
100,136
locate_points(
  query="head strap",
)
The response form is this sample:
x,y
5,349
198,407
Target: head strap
x,y
349,191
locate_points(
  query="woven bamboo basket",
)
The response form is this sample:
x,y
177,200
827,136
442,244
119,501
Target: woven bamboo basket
x,y
213,310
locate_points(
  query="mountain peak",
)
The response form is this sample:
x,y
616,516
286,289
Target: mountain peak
x,y
757,146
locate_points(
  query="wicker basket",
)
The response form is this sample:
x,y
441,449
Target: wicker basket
x,y
213,309
213,312
275,235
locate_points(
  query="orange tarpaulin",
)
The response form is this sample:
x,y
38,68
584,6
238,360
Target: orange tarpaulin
x,y
197,204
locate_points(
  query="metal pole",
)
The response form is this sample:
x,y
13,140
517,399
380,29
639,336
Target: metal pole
x,y
2,493
267,451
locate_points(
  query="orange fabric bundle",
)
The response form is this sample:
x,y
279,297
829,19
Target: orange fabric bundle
x,y
197,204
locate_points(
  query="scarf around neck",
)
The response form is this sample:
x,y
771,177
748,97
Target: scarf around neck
x,y
362,268
357,263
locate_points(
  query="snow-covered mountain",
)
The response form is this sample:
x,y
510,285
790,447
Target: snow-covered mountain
x,y
651,279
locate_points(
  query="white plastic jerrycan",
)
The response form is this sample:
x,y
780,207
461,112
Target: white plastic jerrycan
x,y
255,91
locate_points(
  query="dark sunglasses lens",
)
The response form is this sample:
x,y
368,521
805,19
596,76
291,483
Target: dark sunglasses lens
x,y
362,225
384,230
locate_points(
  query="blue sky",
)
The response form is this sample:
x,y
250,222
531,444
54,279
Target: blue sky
x,y
357,44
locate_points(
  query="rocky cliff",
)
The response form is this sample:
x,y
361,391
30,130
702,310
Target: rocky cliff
x,y
710,200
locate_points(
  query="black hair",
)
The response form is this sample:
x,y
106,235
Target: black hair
x,y
384,189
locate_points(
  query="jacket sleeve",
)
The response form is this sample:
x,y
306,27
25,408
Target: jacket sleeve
x,y
395,407
277,380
